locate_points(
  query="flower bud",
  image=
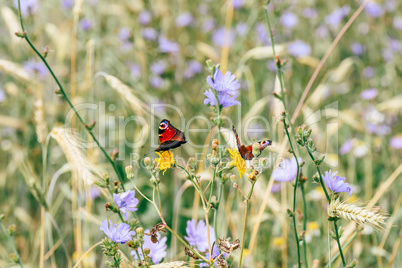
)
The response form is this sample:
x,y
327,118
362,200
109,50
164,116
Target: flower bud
x,y
263,162
140,232
115,153
130,172
210,64
215,144
225,177
14,257
215,159
131,244
253,175
191,162
11,229
148,162
2,216
353,264
256,148
147,251
133,223
316,177
232,178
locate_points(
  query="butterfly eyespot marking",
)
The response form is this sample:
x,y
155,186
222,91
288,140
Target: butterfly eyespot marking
x,y
163,125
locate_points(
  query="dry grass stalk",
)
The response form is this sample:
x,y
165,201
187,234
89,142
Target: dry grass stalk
x,y
39,119
355,213
173,264
15,70
73,154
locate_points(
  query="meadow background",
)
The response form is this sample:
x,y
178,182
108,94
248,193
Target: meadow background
x,y
125,57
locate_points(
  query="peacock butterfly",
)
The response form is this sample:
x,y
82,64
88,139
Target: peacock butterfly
x,y
169,136
247,152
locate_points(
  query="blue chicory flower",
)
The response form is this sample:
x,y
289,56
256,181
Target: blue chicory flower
x,y
396,142
86,24
124,33
289,19
374,10
262,34
208,25
241,29
368,72
157,250
369,94
67,4
299,49
357,48
27,6
135,70
184,19
224,83
159,67
145,17
126,202
36,68
336,183
225,99
310,13
197,234
156,81
286,171
194,67
237,4
220,35
121,234
149,33
397,23
167,46
336,17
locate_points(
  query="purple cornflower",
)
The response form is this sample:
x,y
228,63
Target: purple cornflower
x,y
357,48
226,86
124,33
121,234
224,83
310,13
157,250
36,68
374,10
67,4
167,46
194,67
262,34
346,147
368,72
286,171
135,70
197,234
299,49
336,183
145,17
208,25
3,95
369,94
86,24
126,202
241,29
184,19
156,81
149,33
395,45
220,35
237,4
396,142
397,23
27,6
215,253
225,100
289,19
322,31
276,187
336,17
159,66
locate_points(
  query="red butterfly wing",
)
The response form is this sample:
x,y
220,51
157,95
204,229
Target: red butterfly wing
x,y
169,136
247,152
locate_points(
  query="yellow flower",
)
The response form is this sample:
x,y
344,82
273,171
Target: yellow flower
x,y
238,161
278,242
165,160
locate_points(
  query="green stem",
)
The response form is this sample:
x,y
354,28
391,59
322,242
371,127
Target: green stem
x,y
329,202
339,243
67,99
220,190
304,222
245,223
212,186
11,243
338,253
319,173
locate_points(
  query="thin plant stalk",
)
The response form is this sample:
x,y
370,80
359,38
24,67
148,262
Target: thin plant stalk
x,y
62,91
304,222
329,202
245,223
286,116
12,244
